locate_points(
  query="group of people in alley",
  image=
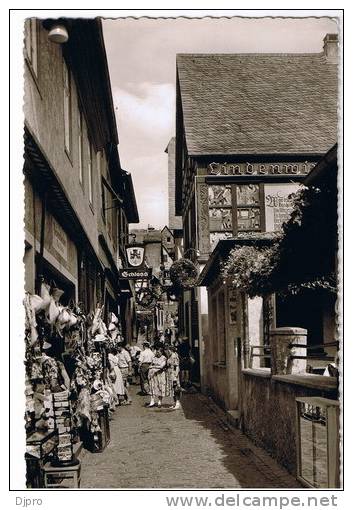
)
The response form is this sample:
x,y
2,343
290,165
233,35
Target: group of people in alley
x,y
162,369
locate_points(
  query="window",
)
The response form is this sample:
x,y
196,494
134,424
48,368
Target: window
x,y
90,174
248,207
80,148
67,108
31,43
234,208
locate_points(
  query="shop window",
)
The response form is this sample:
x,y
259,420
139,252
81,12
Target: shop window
x,y
31,44
67,108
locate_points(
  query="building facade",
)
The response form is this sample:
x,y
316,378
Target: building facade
x,y
159,254
78,200
266,395
245,139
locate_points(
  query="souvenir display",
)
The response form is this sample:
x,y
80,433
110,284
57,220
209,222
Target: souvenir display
x,y
62,409
62,417
40,444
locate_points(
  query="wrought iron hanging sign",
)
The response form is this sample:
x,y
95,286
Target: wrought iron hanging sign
x,y
146,298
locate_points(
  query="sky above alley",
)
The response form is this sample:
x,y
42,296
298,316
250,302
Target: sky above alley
x,y
141,57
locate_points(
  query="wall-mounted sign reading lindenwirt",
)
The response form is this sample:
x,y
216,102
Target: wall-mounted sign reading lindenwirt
x,y
291,168
130,273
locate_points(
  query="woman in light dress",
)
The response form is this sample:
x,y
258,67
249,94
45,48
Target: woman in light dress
x,y
116,377
157,379
173,379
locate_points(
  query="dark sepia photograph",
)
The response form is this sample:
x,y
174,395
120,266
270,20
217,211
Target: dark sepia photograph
x,y
181,252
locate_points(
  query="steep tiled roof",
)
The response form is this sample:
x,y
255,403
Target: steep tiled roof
x,y
258,103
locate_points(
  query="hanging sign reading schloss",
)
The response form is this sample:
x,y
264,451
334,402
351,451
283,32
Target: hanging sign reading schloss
x,y
136,274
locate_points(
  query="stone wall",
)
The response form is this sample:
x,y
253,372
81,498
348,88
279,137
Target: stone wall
x,y
268,415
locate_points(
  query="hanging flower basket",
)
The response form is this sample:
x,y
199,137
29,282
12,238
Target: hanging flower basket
x,y
184,273
146,298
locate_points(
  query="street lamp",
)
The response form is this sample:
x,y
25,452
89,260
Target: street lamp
x,y
58,34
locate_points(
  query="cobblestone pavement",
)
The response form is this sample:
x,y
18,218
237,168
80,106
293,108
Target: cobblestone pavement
x,y
189,448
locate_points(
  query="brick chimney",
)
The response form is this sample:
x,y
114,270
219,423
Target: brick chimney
x,y
331,47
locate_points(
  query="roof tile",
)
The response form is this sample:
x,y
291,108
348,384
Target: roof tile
x,y
258,103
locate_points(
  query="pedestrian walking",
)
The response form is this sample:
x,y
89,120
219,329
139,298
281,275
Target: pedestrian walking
x,y
168,332
145,360
125,365
135,352
157,379
186,362
115,375
173,375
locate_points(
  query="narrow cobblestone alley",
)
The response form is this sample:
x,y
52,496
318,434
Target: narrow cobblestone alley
x,y
190,448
